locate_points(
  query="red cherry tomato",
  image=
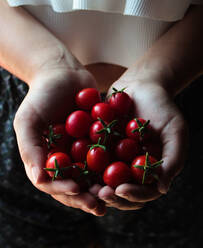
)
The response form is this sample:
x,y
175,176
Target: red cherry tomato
x,y
81,175
138,129
57,149
57,166
78,124
94,136
147,169
117,173
127,149
87,98
97,159
105,131
103,111
79,149
56,136
77,170
120,102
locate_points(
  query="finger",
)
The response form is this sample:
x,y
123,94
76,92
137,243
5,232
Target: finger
x,y
66,186
83,201
138,193
108,196
175,144
95,189
33,153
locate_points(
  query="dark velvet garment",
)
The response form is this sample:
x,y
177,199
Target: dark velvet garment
x,y
30,218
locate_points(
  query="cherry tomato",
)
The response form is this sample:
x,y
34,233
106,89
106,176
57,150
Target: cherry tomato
x,y
103,111
145,169
57,136
94,136
103,130
138,129
97,158
117,173
57,149
57,166
81,175
78,124
79,149
127,149
78,168
87,98
120,102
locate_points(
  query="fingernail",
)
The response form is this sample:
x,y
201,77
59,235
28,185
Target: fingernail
x,y
74,190
98,211
163,189
110,199
35,174
72,193
98,214
122,195
140,205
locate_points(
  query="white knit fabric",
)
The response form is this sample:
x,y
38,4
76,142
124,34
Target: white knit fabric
x,y
166,10
114,31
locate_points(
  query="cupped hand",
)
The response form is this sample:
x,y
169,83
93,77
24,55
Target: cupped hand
x,y
153,103
49,100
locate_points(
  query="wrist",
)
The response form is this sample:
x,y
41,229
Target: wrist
x,y
58,62
153,72
62,75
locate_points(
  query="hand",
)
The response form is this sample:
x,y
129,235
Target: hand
x,y
153,103
50,98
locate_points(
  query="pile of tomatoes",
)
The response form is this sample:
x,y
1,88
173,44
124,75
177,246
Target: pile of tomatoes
x,y
101,142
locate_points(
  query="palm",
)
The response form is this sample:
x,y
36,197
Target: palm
x,y
156,106
49,101
152,103
52,100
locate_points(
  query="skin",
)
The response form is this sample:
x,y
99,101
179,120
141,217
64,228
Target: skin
x,y
54,75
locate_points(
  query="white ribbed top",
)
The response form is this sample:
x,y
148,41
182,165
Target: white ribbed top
x,y
114,31
167,10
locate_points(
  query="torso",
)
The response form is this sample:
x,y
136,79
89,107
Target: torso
x,y
101,37
105,74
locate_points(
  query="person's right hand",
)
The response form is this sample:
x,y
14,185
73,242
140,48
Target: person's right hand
x,y
49,100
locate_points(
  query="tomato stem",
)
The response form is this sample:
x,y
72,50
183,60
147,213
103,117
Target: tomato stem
x,y
148,168
52,137
98,145
83,171
116,91
107,129
141,127
58,171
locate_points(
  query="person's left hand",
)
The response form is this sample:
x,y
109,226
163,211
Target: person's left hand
x,y
153,103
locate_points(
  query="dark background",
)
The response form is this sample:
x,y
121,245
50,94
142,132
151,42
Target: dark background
x,y
30,218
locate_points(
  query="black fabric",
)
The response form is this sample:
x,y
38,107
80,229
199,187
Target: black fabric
x,y
30,218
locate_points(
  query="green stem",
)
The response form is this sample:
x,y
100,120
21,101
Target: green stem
x,y
98,145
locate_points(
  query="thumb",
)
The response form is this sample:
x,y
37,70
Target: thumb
x,y
28,127
30,143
